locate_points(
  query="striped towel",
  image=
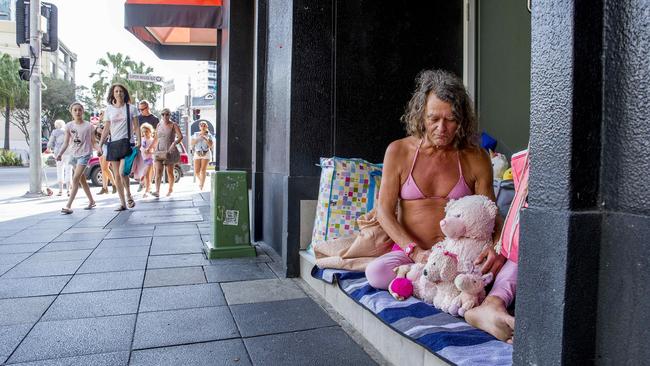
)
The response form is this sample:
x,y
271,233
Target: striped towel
x,y
446,336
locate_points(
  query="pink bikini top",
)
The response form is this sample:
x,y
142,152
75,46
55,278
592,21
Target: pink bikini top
x,y
410,190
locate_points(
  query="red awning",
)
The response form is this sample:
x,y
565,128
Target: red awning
x,y
176,29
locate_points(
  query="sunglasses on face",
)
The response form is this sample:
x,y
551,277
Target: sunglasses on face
x,y
143,109
165,114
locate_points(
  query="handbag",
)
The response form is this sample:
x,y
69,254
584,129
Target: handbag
x,y
504,192
509,240
169,157
129,160
119,149
348,189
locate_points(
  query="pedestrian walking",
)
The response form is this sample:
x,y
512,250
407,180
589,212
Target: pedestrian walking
x,y
168,135
202,142
79,134
63,168
147,150
120,121
107,174
144,117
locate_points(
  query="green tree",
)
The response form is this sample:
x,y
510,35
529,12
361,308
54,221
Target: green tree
x,y
14,92
56,101
115,68
84,95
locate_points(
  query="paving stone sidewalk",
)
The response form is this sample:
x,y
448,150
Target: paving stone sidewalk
x,y
134,288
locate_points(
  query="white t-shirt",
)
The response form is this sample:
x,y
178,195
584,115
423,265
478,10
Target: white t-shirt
x,y
117,116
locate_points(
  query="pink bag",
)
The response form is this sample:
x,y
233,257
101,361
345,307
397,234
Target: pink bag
x,y
139,167
510,234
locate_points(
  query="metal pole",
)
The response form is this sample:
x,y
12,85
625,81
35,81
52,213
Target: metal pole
x,y
35,163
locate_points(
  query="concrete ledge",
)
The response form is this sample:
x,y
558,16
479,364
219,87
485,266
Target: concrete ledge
x,y
394,347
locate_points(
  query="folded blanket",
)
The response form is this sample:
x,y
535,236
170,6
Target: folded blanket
x,y
446,336
355,252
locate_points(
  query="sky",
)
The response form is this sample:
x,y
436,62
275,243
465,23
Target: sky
x,y
90,28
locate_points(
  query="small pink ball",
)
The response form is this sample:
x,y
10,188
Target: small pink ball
x,y
401,287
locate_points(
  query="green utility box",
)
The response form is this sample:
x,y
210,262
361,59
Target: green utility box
x,y
229,209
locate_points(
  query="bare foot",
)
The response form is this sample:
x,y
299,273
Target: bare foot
x,y
492,317
169,193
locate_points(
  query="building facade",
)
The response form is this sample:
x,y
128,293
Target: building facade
x,y
301,79
205,79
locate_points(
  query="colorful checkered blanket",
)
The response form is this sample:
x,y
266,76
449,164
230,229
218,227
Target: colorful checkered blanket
x,y
448,337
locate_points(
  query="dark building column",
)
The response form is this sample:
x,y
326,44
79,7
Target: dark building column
x,y
585,262
338,77
235,107
259,103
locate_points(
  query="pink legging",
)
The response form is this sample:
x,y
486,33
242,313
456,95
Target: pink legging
x,y
505,284
380,272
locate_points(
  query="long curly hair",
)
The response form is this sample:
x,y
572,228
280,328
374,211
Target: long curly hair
x,y
110,98
448,88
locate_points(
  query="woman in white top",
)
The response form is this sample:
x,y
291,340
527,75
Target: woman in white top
x,y
116,121
63,169
202,142
79,134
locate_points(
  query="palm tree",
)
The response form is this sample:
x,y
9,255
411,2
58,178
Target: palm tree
x,y
13,90
115,68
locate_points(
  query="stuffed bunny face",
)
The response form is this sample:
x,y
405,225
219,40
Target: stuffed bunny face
x,y
472,283
470,216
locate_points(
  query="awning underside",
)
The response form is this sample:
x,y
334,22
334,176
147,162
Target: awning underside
x,y
173,29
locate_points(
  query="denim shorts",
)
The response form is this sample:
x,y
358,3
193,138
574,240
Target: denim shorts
x,y
80,160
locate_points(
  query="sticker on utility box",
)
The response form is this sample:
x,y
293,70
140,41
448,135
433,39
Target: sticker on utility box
x,y
231,218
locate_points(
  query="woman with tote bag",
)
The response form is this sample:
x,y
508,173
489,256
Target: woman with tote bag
x,y
120,120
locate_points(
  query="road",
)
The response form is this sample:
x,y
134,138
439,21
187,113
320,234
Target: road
x,y
15,181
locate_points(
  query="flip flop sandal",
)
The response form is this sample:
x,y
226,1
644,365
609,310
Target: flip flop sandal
x,y
66,211
130,202
90,206
121,208
155,194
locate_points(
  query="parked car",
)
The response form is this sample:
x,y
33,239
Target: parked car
x,y
94,172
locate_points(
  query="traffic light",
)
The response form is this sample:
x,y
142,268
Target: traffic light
x,y
196,114
25,68
50,33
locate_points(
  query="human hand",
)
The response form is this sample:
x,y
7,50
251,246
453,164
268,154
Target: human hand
x,y
58,158
99,152
420,255
490,260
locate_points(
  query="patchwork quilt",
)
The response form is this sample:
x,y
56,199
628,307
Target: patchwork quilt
x,y
446,336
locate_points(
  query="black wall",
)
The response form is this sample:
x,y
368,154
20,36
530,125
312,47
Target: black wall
x,y
338,76
235,105
624,276
585,259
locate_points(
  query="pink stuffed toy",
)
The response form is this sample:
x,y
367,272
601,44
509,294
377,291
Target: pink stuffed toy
x,y
401,288
472,291
468,226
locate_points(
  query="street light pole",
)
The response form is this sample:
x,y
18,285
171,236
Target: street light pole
x,y
35,186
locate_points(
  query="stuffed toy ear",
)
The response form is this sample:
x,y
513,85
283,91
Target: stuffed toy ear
x,y
487,278
450,204
491,207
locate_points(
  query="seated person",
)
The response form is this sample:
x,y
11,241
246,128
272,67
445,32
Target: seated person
x,y
438,161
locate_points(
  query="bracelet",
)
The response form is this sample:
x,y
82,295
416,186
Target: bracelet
x,y
409,248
